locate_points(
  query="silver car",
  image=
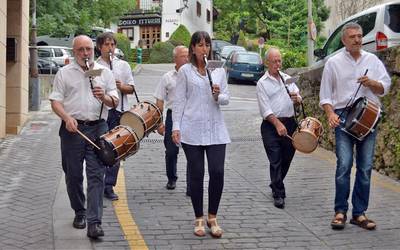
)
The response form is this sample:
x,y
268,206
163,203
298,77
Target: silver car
x,y
60,55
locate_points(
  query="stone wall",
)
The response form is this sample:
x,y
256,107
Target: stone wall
x,y
387,152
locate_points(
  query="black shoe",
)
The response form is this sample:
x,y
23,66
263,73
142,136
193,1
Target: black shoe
x,y
171,185
94,231
79,222
279,202
109,194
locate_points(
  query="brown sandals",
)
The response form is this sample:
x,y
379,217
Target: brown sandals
x,y
363,222
339,221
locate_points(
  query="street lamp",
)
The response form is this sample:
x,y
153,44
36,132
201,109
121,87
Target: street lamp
x,y
185,6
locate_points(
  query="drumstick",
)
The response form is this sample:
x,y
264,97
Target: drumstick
x,y
87,138
289,137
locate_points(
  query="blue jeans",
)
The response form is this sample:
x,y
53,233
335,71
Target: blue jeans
x,y
75,150
111,176
364,161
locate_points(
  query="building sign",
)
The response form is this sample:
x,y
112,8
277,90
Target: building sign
x,y
144,21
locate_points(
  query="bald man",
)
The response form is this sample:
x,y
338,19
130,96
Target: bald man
x,y
82,104
276,103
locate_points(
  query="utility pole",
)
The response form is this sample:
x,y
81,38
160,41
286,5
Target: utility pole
x,y
311,34
34,83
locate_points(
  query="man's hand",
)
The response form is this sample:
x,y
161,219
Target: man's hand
x,y
161,129
280,128
98,92
71,124
295,97
333,120
176,137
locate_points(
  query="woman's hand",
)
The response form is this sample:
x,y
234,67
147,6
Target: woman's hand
x,y
176,137
215,91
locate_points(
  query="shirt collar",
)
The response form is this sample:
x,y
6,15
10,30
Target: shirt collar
x,y
347,54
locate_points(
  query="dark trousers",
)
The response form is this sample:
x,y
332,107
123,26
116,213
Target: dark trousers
x,y
74,150
111,176
195,163
280,152
171,150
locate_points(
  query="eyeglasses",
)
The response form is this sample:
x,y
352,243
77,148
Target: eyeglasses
x,y
84,49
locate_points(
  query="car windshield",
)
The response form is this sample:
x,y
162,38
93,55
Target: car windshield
x,y
227,49
392,17
248,58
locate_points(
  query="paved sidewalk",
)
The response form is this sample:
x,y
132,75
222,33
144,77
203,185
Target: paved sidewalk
x,y
35,211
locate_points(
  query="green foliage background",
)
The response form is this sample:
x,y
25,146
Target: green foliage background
x,y
181,36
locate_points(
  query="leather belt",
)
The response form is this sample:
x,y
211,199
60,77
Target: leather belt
x,y
284,119
89,123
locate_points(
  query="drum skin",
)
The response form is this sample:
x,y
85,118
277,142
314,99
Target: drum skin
x,y
117,144
143,118
305,138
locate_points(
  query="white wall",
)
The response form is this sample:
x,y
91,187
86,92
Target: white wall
x,y
171,20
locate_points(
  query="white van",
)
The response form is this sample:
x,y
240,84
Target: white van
x,y
381,28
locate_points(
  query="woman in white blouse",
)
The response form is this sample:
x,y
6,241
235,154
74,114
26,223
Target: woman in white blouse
x,y
199,126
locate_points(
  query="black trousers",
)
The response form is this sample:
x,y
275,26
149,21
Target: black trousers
x,y
195,163
111,176
280,152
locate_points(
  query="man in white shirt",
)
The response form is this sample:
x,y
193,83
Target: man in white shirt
x,y
82,102
122,72
165,93
276,103
350,72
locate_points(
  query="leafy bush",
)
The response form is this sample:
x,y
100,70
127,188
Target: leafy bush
x,y
123,44
181,36
161,53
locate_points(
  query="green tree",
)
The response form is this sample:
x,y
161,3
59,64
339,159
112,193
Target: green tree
x,y
181,36
61,18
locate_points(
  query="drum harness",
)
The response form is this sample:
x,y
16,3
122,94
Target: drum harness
x,y
294,106
352,98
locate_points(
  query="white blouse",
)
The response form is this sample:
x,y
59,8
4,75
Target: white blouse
x,y
195,112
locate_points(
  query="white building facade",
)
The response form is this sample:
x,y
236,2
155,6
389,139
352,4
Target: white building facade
x,y
156,20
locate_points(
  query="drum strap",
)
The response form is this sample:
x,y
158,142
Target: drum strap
x,y
352,98
294,106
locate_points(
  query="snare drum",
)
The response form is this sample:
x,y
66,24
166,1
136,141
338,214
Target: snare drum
x,y
362,118
117,144
305,138
143,118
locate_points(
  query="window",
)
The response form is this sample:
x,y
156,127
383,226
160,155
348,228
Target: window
x,y
208,16
198,9
58,53
44,52
128,33
392,17
367,22
335,42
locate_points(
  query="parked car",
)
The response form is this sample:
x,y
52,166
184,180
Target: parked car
x,y
244,66
60,55
67,40
47,66
226,50
381,28
217,46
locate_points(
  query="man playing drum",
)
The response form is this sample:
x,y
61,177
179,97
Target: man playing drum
x,y
122,72
343,74
275,101
81,104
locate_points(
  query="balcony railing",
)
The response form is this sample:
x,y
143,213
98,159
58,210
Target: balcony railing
x,y
148,6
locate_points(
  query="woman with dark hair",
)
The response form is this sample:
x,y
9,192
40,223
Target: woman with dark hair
x,y
199,125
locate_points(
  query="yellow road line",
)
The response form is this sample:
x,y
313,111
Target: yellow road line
x,y
131,231
376,179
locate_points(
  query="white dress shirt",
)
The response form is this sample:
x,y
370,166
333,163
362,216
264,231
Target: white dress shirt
x,y
166,87
72,89
339,78
273,98
121,71
195,112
